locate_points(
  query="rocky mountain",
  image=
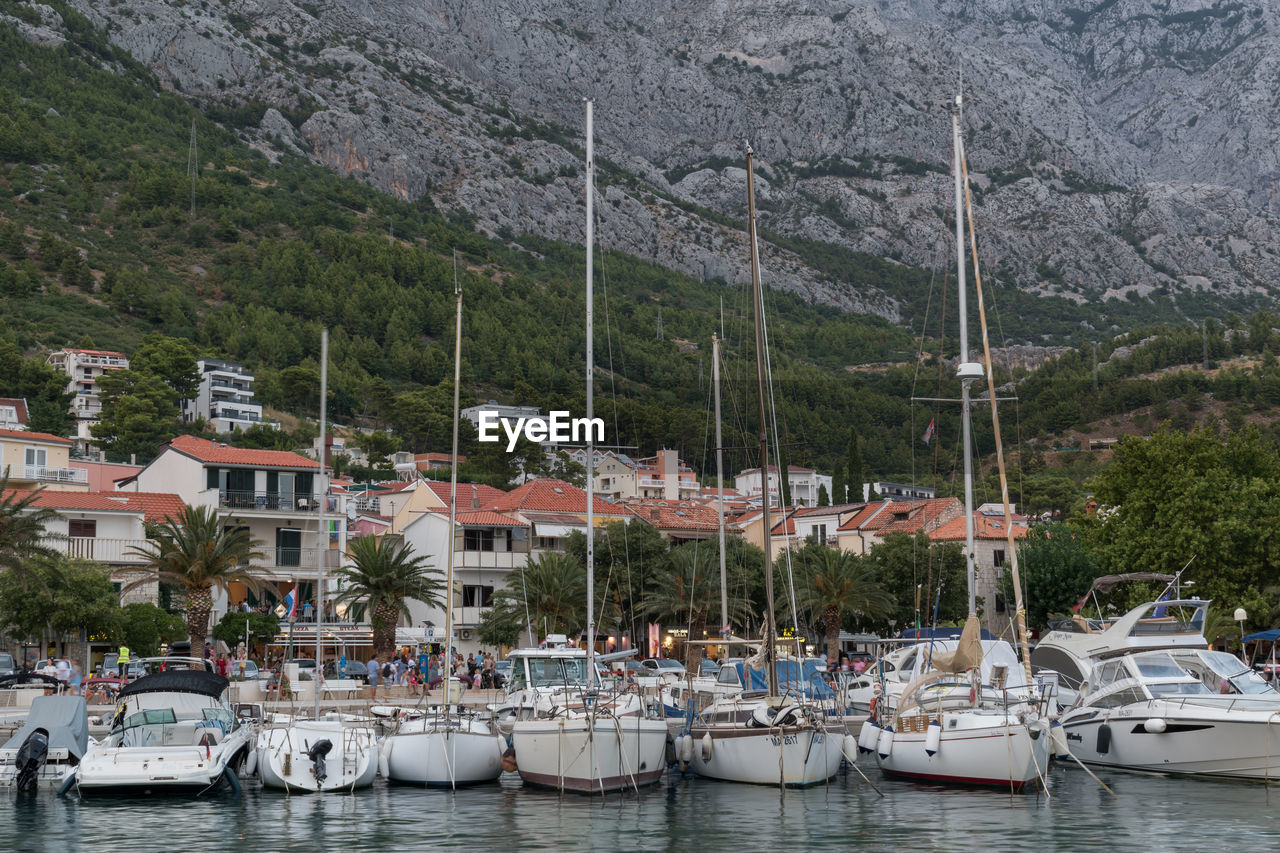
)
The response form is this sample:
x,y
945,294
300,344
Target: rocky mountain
x,y
1124,149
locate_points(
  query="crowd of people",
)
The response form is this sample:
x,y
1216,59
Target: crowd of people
x,y
470,672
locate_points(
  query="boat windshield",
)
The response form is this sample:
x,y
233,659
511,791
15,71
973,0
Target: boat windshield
x,y
1184,688
1229,668
554,672
1158,667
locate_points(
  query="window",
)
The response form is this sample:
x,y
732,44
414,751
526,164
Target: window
x,y
37,457
820,534
477,596
546,543
999,557
478,540
82,528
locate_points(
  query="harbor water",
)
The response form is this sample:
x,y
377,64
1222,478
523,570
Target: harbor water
x,y
1148,813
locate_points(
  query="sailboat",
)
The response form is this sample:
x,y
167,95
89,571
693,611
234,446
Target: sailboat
x,y
586,740
968,716
444,748
762,736
330,753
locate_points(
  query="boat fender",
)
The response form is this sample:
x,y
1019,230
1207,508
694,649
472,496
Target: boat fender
x,y
933,738
849,749
1058,742
669,752
1155,725
868,736
1035,728
384,761
706,747
884,745
1104,738
67,782
509,760
251,762
686,749
229,773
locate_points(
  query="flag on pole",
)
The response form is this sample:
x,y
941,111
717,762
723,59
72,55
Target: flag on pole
x,y
291,604
928,433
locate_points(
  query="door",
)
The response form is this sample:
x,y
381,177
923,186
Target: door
x,y
288,547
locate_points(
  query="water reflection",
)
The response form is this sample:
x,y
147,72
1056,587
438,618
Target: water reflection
x,y
1149,813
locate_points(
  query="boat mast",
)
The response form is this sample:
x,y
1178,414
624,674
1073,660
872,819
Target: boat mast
x,y
453,487
591,448
967,372
724,591
758,309
322,543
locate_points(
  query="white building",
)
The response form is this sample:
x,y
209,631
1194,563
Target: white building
x,y
505,413
619,477
83,367
803,483
225,398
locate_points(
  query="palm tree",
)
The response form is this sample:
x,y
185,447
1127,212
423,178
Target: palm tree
x,y
686,590
554,589
22,526
833,583
198,551
384,575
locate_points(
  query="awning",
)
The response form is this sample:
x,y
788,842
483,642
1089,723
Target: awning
x,y
1266,636
558,530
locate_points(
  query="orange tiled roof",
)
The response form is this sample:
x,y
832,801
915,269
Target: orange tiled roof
x,y
223,454
984,527
485,496
33,436
909,516
487,518
550,495
154,505
675,515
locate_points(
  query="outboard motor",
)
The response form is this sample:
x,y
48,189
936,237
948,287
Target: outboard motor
x,y
30,760
318,751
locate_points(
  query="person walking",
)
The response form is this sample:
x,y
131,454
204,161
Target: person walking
x,y
122,663
77,678
374,673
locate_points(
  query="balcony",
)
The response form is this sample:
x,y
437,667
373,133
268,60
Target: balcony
x,y
468,617
291,502
115,551
55,475
490,559
299,560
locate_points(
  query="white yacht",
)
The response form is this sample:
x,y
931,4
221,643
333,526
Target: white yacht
x,y
571,734
333,753
172,732
1180,710
52,739
440,749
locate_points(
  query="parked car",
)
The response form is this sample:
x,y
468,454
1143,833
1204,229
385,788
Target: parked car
x,y
708,668
307,665
664,666
355,670
8,666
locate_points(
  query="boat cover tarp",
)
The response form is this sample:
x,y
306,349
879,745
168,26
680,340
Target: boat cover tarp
x,y
1265,636
178,681
968,651
66,720
793,678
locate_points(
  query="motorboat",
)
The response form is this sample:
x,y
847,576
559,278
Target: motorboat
x,y
48,745
1067,653
1179,710
336,752
442,749
172,732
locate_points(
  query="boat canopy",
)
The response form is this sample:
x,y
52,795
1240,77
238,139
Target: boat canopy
x,y
942,632
1106,583
63,717
178,681
794,677
1265,636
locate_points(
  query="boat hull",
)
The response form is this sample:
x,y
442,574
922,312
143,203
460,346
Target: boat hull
x,y
793,756
1196,742
443,755
283,761
134,771
590,755
981,749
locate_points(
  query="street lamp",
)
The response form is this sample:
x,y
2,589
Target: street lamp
x,y
1240,616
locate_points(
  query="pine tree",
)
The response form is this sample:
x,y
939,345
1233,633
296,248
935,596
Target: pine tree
x,y
855,478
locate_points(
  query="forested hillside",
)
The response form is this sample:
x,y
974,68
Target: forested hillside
x,y
105,236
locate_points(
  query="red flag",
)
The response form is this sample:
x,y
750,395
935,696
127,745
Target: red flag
x,y
928,433
1075,608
